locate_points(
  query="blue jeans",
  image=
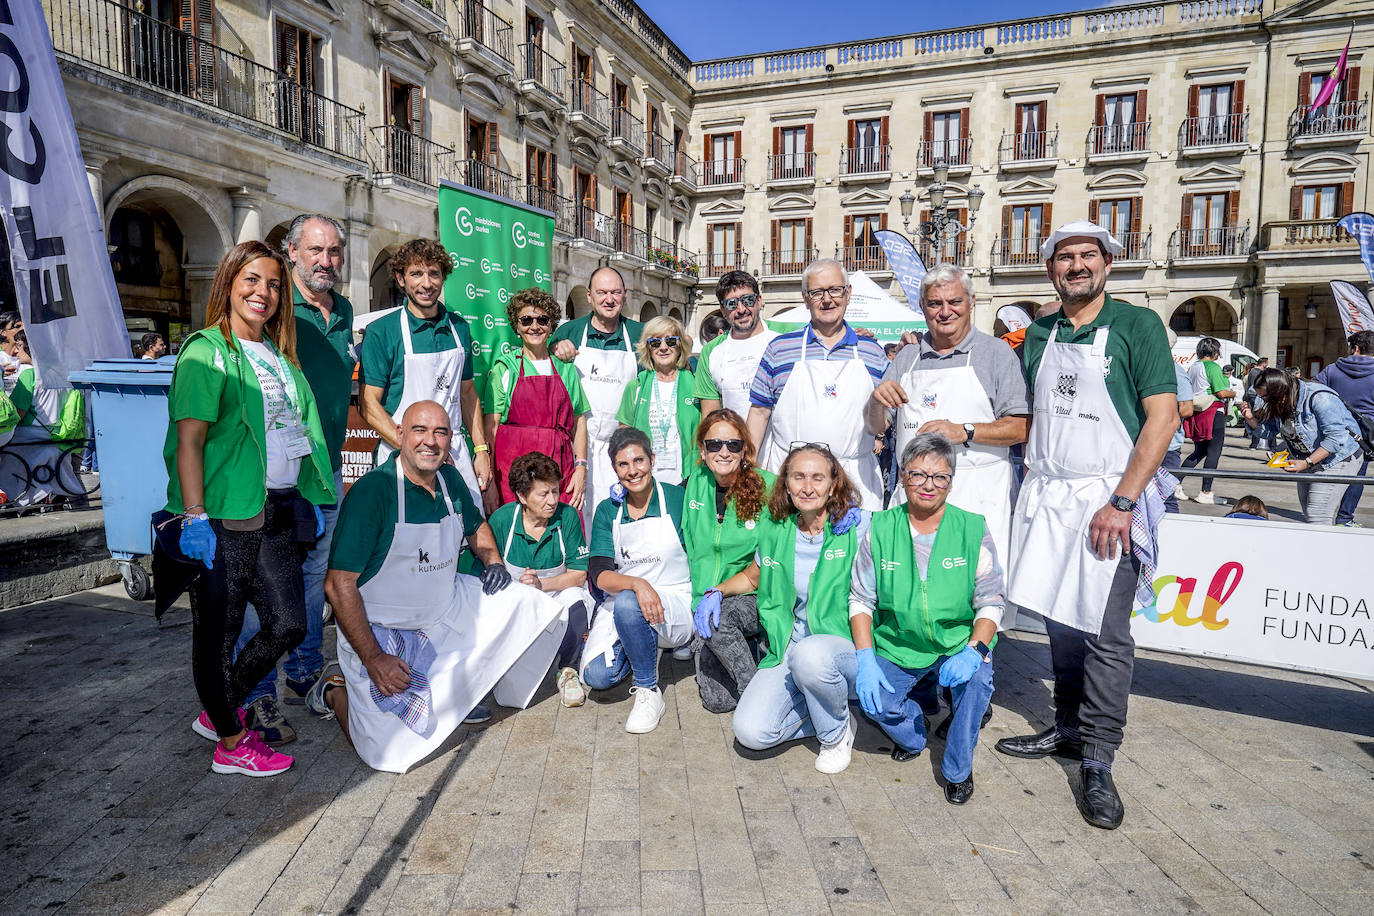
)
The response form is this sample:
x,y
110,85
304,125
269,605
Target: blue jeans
x,y
1351,500
902,720
636,650
307,658
805,694
1172,459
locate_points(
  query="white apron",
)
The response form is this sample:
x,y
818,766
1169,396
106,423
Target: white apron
x,y
823,401
436,377
1077,453
648,549
734,363
605,373
475,637
517,686
983,479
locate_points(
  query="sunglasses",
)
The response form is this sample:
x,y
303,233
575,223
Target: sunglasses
x,y
747,301
655,342
818,446
541,320
734,445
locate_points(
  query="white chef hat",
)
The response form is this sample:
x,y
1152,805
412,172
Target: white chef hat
x,y
1079,227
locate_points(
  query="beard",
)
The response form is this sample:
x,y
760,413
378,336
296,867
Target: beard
x,y
320,279
1081,297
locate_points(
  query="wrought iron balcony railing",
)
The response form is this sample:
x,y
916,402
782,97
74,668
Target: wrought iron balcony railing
x,y
789,166
1028,146
865,160
543,69
955,152
1331,119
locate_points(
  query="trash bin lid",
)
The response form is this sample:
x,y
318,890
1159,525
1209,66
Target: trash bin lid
x,y
126,371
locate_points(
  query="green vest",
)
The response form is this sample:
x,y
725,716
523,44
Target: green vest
x,y
827,601
688,411
918,620
717,550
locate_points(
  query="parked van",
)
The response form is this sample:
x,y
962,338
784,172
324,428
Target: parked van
x,y
1185,351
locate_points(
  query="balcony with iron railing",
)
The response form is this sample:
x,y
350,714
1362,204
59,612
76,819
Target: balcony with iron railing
x,y
786,169
550,200
411,156
866,163
1017,253
627,132
113,38
788,262
688,266
631,242
955,251
868,258
661,256
590,109
719,263
1208,135
484,176
1029,149
1339,122
658,157
1119,142
1225,242
722,173
425,15
541,76
593,226
956,153
1308,236
1135,247
487,40
686,172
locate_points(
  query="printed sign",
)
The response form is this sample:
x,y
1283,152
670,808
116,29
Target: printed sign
x,y
359,448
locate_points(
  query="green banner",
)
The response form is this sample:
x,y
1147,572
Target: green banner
x,y
497,247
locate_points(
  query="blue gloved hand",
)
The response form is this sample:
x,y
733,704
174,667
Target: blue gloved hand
x,y
319,522
871,683
707,614
848,520
617,493
494,578
197,541
957,669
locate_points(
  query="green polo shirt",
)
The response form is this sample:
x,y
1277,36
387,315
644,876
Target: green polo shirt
x,y
506,370
1140,364
327,357
384,353
564,533
367,517
603,523
573,330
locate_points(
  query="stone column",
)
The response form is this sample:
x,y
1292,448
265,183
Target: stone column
x,y
1267,341
247,214
358,289
95,178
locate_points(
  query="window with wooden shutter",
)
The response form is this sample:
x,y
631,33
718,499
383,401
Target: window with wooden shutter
x,y
198,20
1304,89
416,107
773,264
1347,203
739,246
1350,87
493,150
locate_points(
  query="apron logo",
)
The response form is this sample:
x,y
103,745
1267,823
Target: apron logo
x,y
928,400
888,565
442,382
695,504
596,370
954,562
582,551
770,563
830,391
624,554
837,553
1067,387
1106,366
424,557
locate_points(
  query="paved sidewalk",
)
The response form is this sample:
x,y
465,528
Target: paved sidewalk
x,y
1247,790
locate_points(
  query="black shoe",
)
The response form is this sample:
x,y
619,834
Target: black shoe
x,y
263,717
1100,805
956,793
902,756
297,691
1048,743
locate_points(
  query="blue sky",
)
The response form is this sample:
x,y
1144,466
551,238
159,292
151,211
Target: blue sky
x,y
725,28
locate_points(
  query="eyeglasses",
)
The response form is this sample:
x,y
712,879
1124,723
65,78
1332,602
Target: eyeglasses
x,y
608,293
734,445
834,292
541,320
941,481
748,301
818,446
655,342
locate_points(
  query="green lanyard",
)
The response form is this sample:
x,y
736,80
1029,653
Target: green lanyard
x,y
280,373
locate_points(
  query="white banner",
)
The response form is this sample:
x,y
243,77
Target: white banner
x,y
62,274
1356,314
1275,593
1014,317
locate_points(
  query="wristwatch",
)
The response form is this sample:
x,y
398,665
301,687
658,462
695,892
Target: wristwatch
x,y
968,438
982,649
1121,503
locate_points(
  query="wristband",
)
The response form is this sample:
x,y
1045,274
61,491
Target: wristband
x,y
196,516
187,510
580,463
479,449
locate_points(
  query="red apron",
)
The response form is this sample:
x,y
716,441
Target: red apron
x,y
540,419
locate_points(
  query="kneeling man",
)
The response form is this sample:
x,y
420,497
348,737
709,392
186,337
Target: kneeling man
x,y
419,644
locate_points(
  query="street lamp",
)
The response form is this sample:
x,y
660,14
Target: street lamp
x,y
941,227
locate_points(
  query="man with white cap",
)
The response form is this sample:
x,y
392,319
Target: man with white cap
x,y
1104,407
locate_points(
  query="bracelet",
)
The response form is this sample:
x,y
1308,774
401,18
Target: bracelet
x,y
479,449
580,463
196,516
187,510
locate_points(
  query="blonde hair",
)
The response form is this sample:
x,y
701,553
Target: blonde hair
x,y
663,326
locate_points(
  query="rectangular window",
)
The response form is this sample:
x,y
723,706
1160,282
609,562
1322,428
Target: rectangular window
x,y
862,249
298,58
723,248
1031,133
868,146
795,162
1320,202
1209,225
651,220
723,165
945,138
541,176
1027,224
1120,123
1121,216
793,246
406,151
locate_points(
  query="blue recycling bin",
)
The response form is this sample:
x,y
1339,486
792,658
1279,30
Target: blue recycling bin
x,y
128,400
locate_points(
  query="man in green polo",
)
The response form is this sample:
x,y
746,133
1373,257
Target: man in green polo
x,y
314,245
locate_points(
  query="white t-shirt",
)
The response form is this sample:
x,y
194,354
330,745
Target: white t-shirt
x,y
733,364
663,431
282,471
540,366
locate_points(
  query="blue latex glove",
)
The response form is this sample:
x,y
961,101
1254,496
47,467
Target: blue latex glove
x,y
957,669
847,521
197,541
707,614
494,578
871,683
617,493
319,522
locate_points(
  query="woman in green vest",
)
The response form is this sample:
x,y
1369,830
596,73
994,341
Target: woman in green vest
x,y
725,496
925,605
801,575
659,402
247,470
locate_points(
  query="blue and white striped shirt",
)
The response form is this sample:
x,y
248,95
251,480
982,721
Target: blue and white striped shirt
x,y
775,368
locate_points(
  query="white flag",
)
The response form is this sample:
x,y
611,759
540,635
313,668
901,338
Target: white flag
x,y
61,267
1356,314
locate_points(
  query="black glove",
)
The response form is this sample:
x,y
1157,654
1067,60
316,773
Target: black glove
x,y
494,578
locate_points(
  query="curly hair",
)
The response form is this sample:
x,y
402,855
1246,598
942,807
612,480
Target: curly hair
x,y
534,297
747,490
530,468
422,251
842,495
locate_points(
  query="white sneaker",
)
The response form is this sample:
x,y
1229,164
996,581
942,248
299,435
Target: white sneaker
x,y
1206,498
570,689
683,653
649,709
834,758
1179,494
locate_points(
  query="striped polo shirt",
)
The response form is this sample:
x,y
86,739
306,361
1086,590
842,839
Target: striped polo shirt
x,y
775,368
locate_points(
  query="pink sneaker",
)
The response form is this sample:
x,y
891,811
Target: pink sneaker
x,y
251,758
206,729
